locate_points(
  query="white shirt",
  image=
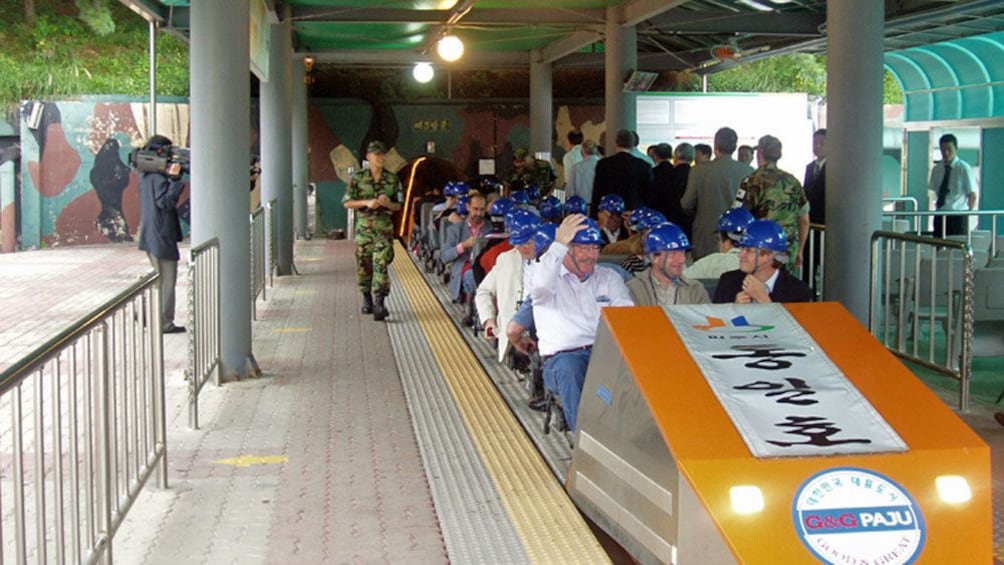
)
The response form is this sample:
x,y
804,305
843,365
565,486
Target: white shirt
x,y
572,156
712,266
583,175
769,283
960,184
566,310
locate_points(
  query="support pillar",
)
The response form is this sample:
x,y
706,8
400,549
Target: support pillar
x,y
541,105
300,142
277,141
621,59
221,124
854,149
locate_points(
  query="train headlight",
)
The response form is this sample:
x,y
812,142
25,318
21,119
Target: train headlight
x,y
953,489
746,499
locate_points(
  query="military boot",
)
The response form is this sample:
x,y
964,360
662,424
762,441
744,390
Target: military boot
x,y
367,303
379,310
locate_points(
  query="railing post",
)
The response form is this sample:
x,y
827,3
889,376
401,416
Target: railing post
x,y
103,544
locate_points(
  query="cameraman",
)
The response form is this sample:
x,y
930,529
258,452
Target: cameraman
x,y
159,229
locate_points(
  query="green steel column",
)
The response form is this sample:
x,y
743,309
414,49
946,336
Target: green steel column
x,y
221,125
621,59
541,106
854,148
277,141
300,144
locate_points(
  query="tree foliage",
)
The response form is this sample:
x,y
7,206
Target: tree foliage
x,y
60,56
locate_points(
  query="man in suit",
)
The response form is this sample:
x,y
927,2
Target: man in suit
x,y
761,277
623,174
460,238
815,191
711,188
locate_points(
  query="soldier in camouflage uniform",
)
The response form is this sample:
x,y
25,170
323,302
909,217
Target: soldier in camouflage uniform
x,y
772,194
527,172
375,194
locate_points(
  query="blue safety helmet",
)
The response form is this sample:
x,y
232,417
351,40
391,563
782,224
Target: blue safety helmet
x,y
734,222
522,226
766,234
488,183
645,218
550,208
612,203
533,193
462,205
499,208
508,218
575,205
589,236
520,198
666,236
544,237
451,189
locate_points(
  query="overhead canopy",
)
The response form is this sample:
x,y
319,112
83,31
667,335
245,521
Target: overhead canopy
x,y
959,79
699,35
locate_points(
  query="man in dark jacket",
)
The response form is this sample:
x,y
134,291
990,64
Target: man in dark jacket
x,y
761,277
622,174
160,230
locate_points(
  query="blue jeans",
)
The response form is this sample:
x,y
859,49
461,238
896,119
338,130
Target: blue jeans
x,y
564,375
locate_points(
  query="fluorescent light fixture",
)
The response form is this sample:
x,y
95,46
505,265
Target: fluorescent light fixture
x,y
450,48
953,489
746,499
423,72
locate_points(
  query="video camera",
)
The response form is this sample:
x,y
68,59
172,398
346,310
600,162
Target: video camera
x,y
170,160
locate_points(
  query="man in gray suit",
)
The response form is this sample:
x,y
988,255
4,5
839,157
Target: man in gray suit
x,y
460,238
711,189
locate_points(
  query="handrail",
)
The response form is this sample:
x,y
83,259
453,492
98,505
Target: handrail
x,y
897,301
992,214
204,349
88,408
258,274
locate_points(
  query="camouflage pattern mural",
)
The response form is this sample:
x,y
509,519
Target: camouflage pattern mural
x,y
76,187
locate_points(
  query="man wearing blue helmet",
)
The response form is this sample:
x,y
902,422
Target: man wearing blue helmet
x,y
663,283
568,290
459,240
732,226
761,277
504,287
610,217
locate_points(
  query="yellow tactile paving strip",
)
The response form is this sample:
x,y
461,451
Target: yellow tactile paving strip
x,y
547,522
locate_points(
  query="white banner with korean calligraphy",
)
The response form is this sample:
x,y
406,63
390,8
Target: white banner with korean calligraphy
x,y
784,395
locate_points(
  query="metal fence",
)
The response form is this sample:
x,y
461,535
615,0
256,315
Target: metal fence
x,y
980,239
87,429
257,228
204,319
921,302
270,239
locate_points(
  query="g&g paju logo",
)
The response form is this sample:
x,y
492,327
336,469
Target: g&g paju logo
x,y
853,515
736,324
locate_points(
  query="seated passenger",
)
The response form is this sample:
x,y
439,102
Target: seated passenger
x,y
495,242
457,246
568,290
662,283
732,226
501,292
610,218
640,221
550,209
521,330
761,277
575,205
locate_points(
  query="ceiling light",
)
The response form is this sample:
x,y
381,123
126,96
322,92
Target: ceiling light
x,y
953,489
746,499
423,72
450,48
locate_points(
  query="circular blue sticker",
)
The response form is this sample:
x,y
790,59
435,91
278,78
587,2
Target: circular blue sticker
x,y
853,515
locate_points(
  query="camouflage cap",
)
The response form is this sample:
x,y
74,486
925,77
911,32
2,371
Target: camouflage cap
x,y
376,147
520,154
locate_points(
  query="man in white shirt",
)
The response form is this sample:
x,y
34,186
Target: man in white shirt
x,y
732,226
573,155
583,173
952,187
505,285
568,290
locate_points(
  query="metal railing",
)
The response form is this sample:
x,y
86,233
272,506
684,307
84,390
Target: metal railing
x,y
924,282
270,239
257,228
204,319
87,430
919,220
813,257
